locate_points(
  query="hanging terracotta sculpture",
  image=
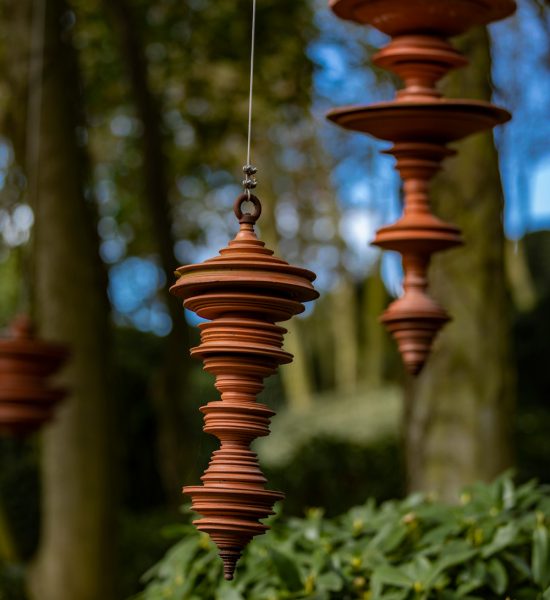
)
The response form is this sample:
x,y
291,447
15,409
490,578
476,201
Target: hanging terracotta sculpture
x,y
27,401
244,292
420,124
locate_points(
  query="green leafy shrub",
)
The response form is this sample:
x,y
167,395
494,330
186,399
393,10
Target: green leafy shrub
x,y
139,546
338,474
494,545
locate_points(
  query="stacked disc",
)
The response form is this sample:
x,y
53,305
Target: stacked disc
x,y
27,401
243,293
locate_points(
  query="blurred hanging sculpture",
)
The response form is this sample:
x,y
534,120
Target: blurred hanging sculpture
x,y
26,399
420,124
244,292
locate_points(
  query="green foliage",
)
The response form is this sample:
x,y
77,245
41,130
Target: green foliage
x,y
19,497
12,284
340,451
494,545
19,514
139,545
338,474
532,348
198,56
12,582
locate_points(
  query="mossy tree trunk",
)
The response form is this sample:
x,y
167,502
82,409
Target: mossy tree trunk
x,y
459,411
345,336
75,559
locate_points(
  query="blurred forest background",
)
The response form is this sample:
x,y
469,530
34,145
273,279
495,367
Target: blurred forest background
x,y
123,133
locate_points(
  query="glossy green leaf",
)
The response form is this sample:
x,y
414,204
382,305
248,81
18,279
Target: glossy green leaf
x,y
498,578
393,576
494,546
504,536
331,582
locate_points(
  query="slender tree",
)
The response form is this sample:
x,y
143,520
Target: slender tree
x,y
177,431
75,560
376,339
460,411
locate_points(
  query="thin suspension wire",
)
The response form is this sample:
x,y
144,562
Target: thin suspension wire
x,y
252,53
249,182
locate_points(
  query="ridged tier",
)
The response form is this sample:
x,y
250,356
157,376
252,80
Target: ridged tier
x,y
440,121
442,17
26,399
244,292
420,61
418,234
420,124
414,319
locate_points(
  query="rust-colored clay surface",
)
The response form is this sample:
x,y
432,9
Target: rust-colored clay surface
x,y
440,17
27,401
420,124
243,292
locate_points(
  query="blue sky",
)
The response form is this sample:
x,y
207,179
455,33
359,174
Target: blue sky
x,y
521,73
369,196
540,195
364,181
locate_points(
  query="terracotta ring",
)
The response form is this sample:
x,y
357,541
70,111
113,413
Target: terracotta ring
x,y
247,217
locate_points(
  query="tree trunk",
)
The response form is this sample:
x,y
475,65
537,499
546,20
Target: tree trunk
x,y
75,560
459,412
519,277
178,433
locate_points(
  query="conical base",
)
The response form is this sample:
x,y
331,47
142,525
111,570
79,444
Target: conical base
x,y
414,343
230,559
231,514
414,333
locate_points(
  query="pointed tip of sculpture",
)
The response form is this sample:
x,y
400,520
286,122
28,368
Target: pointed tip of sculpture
x,y
414,366
230,560
414,334
415,350
415,346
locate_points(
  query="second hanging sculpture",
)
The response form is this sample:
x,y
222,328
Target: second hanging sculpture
x,y
27,397
421,124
